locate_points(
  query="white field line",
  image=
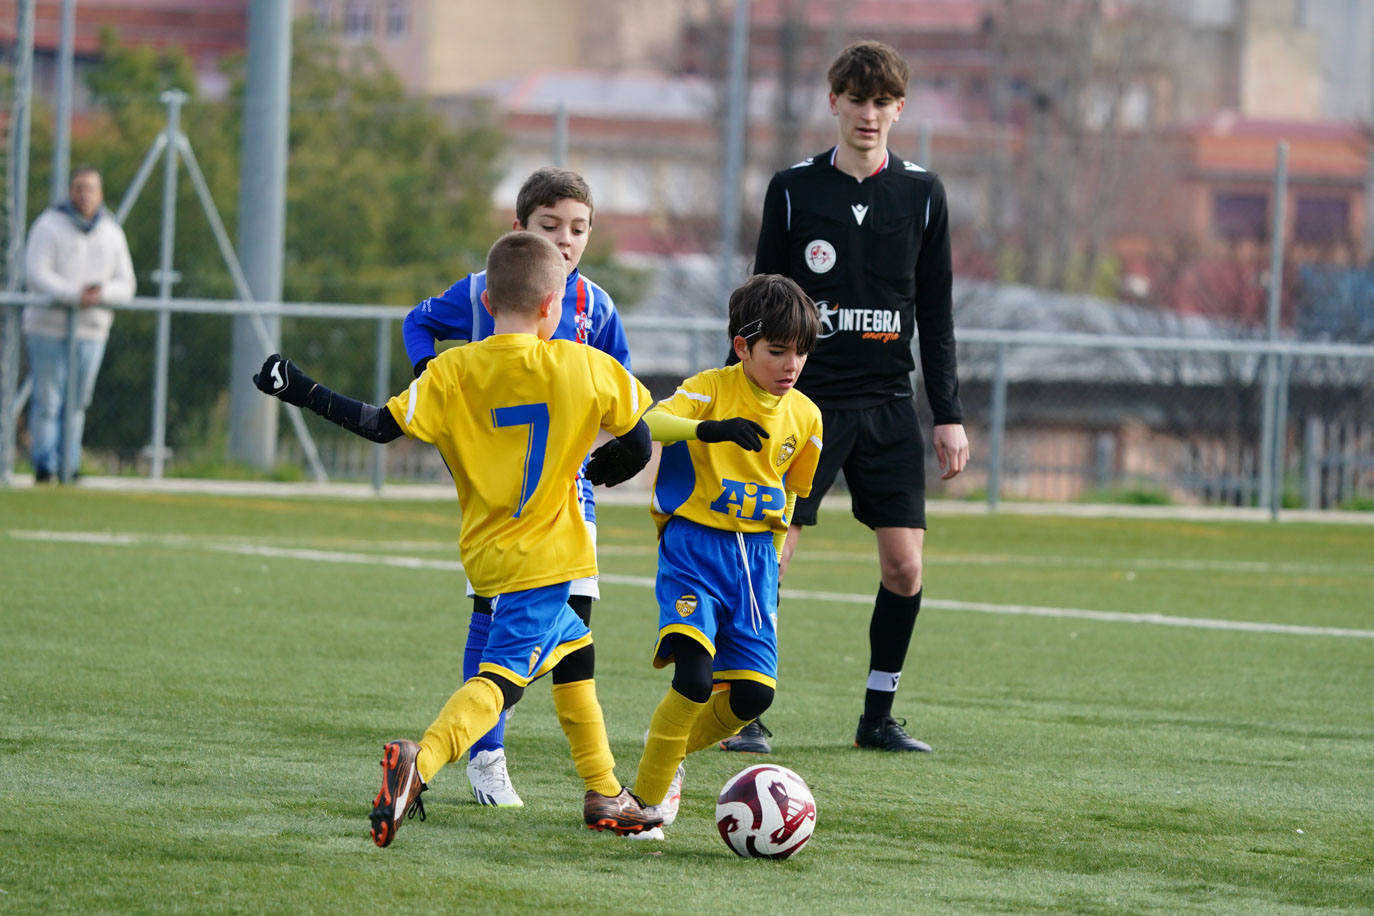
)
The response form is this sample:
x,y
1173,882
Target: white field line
x,y
248,548
1128,564
1162,620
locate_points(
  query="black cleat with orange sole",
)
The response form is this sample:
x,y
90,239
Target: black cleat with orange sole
x,y
624,813
399,797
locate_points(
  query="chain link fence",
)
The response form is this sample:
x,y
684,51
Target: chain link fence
x,y
1052,415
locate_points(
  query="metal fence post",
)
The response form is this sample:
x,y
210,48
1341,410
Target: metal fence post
x,y
1311,462
1268,447
1280,435
381,378
65,471
997,422
157,448
16,202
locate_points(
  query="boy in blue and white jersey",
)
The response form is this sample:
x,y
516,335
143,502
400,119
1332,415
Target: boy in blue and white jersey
x,y
557,204
722,514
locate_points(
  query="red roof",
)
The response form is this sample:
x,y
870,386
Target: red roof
x,y
203,28
1231,123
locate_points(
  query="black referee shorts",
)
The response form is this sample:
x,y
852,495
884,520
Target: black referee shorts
x,y
883,454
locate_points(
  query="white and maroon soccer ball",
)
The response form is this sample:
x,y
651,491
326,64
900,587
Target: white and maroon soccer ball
x,y
765,812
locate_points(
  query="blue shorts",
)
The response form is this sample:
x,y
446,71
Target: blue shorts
x,y
531,631
721,589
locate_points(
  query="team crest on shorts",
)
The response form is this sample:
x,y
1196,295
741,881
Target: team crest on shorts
x,y
534,657
820,256
789,445
686,605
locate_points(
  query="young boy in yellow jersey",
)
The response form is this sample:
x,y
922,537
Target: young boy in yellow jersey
x,y
513,416
722,514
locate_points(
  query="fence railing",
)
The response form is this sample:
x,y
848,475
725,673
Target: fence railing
x,y
1052,415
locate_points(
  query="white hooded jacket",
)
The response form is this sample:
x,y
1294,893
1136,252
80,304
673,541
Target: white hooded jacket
x,y
62,259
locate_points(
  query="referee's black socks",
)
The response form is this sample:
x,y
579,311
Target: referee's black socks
x,y
889,636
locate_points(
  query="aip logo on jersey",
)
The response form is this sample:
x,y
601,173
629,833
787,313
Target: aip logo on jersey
x,y
820,256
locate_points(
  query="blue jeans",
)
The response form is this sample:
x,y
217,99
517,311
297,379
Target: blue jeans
x,y
57,452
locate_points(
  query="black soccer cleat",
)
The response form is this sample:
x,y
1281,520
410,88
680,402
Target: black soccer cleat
x,y
884,733
752,739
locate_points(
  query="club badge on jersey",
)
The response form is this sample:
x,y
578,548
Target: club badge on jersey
x,y
820,256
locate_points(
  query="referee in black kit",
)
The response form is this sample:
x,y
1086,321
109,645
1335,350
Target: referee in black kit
x,y
866,235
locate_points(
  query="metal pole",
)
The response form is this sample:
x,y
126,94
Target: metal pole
x,y
262,224
560,135
165,276
997,424
65,471
62,125
735,117
381,380
1280,435
18,203
1311,462
1268,447
145,169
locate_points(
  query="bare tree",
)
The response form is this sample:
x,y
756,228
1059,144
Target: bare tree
x,y
1090,81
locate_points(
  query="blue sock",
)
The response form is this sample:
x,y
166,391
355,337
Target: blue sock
x,y
478,628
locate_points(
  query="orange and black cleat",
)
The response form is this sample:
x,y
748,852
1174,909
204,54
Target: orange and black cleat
x,y
624,813
399,797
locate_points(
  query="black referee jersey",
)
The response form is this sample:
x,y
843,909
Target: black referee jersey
x,y
875,256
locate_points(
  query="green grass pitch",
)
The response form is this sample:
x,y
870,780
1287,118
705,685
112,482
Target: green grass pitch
x,y
1128,715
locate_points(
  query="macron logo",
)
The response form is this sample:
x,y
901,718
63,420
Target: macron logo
x,y
860,211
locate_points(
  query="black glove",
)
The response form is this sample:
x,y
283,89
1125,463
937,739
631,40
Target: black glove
x,y
613,463
420,366
280,378
747,434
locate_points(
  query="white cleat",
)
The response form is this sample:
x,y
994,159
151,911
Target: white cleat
x,y
491,783
673,800
666,809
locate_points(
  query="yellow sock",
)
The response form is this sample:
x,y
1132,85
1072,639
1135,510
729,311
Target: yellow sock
x,y
580,715
468,715
716,723
666,745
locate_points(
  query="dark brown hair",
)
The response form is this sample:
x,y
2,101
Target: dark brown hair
x,y
546,187
869,69
773,307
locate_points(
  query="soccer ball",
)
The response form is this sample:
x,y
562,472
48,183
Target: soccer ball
x,y
765,812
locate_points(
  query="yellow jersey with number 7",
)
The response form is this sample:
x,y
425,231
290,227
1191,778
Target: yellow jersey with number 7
x,y
513,417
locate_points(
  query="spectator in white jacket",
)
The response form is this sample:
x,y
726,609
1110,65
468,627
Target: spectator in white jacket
x,y
77,255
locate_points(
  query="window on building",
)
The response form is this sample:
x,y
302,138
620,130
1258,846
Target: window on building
x,y
1321,219
359,19
397,19
322,15
1240,216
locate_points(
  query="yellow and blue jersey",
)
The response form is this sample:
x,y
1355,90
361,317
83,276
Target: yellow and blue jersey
x,y
513,417
721,485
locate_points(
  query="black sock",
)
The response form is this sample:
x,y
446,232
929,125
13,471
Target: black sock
x,y
889,636
582,607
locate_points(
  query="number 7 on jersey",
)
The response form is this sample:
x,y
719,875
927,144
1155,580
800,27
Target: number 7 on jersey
x,y
536,417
